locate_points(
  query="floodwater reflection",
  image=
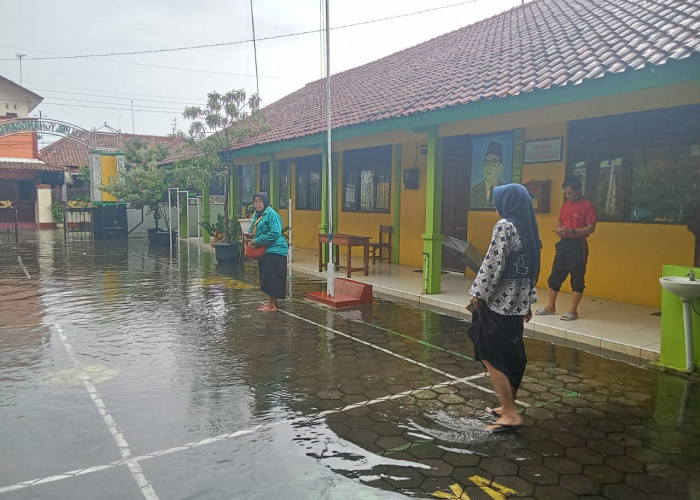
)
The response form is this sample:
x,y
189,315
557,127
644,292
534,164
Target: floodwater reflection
x,y
212,399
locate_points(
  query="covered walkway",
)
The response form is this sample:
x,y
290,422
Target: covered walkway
x,y
615,329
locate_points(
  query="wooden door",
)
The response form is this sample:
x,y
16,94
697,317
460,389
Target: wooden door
x,y
455,194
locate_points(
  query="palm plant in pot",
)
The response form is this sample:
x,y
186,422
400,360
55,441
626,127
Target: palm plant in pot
x,y
225,238
226,120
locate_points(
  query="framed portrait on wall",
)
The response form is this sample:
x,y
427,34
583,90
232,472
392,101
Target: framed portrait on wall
x,y
492,165
247,183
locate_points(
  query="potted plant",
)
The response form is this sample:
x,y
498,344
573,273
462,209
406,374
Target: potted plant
x,y
57,214
225,238
226,120
145,185
246,217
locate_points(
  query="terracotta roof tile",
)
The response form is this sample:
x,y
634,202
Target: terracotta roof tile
x,y
28,165
67,153
541,44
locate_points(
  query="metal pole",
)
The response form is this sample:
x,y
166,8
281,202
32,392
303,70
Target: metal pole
x,y
255,50
199,219
330,274
290,251
170,220
199,235
187,209
179,221
20,56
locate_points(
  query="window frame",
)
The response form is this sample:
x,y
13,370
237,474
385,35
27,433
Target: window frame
x,y
305,169
378,162
627,136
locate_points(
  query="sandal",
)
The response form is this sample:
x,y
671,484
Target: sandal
x,y
503,429
569,316
493,413
544,312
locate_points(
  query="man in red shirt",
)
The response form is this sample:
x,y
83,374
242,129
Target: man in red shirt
x,y
577,220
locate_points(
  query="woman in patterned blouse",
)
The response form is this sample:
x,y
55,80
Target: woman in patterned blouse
x,y
502,294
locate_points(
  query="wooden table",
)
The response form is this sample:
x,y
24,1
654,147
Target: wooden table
x,y
348,241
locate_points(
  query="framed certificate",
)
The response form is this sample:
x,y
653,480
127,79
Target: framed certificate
x,y
543,151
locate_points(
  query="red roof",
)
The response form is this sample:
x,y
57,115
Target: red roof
x,y
27,165
67,153
537,46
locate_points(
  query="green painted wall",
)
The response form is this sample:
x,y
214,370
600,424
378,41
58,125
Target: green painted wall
x,y
672,328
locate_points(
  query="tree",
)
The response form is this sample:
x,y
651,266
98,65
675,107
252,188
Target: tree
x,y
143,184
226,120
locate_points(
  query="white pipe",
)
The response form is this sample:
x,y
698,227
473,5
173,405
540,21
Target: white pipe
x,y
688,328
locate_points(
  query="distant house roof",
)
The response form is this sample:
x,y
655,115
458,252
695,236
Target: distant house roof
x,y
180,155
67,153
33,100
16,164
535,47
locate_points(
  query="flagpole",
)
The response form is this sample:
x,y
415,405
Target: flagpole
x,y
330,268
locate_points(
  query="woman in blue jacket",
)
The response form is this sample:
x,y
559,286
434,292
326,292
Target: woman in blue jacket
x,y
266,230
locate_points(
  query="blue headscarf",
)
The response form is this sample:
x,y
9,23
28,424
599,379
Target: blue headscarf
x,y
513,202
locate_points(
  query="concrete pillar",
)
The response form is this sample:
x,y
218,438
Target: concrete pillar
x,y
43,207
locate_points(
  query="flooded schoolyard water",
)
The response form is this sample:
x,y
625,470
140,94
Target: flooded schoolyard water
x,y
128,373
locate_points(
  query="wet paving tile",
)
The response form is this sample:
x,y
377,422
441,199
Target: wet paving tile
x,y
384,401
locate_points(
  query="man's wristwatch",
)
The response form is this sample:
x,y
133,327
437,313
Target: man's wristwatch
x,y
573,230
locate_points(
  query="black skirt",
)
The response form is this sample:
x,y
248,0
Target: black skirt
x,y
273,275
498,339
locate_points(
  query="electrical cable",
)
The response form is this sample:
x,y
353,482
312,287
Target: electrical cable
x,y
226,44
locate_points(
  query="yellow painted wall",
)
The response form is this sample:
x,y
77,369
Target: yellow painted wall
x,y
109,169
413,207
625,258
306,222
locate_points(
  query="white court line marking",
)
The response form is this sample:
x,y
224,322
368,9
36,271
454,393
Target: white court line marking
x,y
134,467
117,463
398,395
26,273
222,437
391,353
133,460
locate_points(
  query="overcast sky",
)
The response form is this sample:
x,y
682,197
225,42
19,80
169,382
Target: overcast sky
x,y
91,91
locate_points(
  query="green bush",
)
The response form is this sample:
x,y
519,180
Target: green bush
x,y
57,212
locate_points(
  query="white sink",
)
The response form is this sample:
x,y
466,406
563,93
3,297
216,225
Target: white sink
x,y
681,287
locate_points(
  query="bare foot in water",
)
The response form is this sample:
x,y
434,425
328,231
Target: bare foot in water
x,y
267,308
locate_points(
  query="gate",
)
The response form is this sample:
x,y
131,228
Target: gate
x,y
8,223
78,223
